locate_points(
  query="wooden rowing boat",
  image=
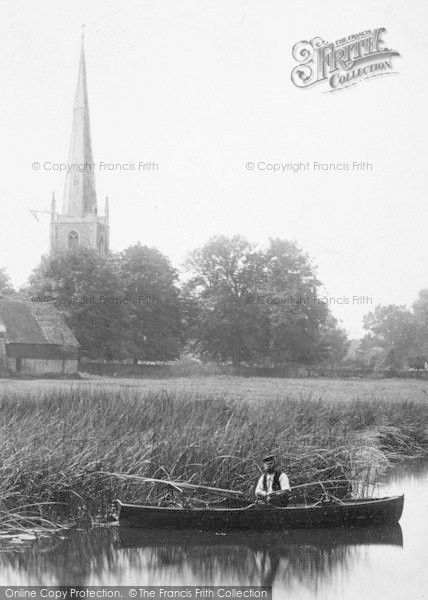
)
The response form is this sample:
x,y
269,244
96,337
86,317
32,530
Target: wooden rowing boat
x,y
260,517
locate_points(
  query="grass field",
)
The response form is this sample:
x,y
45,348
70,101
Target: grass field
x,y
57,436
241,387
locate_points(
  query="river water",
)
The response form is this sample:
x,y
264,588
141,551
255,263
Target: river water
x,y
375,563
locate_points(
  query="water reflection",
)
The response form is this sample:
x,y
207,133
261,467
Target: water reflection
x,y
88,557
253,559
68,559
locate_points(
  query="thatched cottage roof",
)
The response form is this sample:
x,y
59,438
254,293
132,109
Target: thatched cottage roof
x,y
34,323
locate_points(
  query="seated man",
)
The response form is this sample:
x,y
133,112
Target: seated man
x,y
273,486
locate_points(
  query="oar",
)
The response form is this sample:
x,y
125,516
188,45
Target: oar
x,y
179,485
322,482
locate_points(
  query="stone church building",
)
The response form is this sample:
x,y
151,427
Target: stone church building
x,y
34,338
79,223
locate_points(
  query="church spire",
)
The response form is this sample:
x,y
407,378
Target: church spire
x,y
79,224
79,193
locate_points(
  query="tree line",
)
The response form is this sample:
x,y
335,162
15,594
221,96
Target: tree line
x,y
233,302
396,339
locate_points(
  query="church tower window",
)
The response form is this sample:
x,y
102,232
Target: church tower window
x,y
73,240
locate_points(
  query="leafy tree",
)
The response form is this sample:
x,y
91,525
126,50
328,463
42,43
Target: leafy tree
x,y
227,323
150,283
394,329
297,314
363,357
6,287
258,306
85,286
333,343
420,310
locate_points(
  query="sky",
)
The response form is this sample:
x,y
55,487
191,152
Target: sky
x,y
201,88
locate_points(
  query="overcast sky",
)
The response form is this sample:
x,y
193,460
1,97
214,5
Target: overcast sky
x,y
201,88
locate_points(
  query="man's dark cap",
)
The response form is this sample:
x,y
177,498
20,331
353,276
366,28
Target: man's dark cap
x,y
268,458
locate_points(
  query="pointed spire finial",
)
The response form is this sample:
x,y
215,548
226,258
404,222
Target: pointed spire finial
x,y
79,193
83,32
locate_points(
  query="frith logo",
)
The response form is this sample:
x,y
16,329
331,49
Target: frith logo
x,y
342,63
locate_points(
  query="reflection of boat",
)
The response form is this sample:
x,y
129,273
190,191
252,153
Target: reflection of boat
x,y
121,556
257,517
250,557
130,537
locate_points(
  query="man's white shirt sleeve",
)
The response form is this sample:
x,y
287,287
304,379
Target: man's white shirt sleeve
x,y
284,482
259,487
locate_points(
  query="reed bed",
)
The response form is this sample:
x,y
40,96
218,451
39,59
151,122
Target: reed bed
x,y
56,443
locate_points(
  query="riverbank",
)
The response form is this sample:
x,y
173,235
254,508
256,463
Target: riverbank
x,y
57,439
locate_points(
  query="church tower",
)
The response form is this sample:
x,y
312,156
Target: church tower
x,y
79,223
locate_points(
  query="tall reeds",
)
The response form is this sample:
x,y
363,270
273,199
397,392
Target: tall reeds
x,y
55,443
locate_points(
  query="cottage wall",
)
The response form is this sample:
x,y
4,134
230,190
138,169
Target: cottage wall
x,y
11,363
40,366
